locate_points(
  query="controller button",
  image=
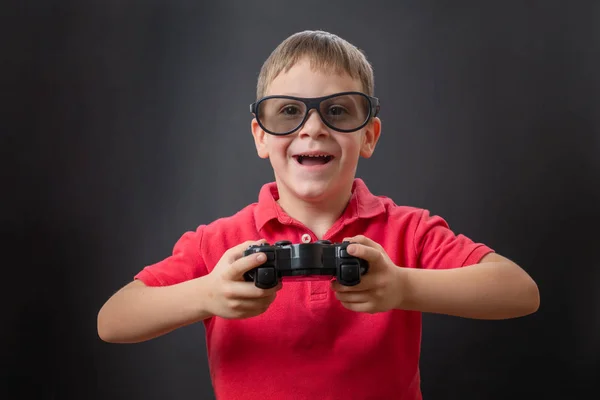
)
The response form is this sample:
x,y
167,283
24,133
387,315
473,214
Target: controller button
x,y
323,241
266,276
283,243
349,272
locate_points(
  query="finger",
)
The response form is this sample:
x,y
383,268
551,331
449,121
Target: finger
x,y
369,253
353,297
265,302
236,270
248,291
364,285
359,307
252,307
362,239
237,252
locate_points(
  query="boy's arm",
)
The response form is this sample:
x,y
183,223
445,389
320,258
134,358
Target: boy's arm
x,y
495,288
138,312
161,298
450,279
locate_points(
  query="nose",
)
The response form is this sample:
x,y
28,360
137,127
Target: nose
x,y
314,126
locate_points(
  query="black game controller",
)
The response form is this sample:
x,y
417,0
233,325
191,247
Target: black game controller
x,y
320,259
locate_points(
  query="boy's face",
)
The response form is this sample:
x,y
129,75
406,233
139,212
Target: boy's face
x,y
312,179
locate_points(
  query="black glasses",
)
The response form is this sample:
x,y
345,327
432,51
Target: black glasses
x,y
343,112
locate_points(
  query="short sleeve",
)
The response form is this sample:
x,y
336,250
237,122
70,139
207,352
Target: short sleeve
x,y
185,262
438,247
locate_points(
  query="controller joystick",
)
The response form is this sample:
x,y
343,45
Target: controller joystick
x,y
307,261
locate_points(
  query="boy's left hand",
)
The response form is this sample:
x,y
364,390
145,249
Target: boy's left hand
x,y
380,288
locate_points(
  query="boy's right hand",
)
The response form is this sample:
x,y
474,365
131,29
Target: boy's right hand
x,y
228,295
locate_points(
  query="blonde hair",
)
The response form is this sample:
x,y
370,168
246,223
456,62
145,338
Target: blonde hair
x,y
324,50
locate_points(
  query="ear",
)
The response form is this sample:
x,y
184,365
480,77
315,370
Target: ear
x,y
370,138
260,139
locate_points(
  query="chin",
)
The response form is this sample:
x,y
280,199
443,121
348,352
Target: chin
x,y
312,194
310,190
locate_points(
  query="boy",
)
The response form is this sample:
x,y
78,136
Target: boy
x,y
317,339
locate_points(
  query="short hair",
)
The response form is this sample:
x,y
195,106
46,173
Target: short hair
x,y
324,50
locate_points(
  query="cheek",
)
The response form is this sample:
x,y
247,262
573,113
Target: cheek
x,y
278,147
351,146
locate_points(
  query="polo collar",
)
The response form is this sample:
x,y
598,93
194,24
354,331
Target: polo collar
x,y
362,204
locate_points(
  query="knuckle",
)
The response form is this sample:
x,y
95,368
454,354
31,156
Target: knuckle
x,y
228,292
235,305
228,257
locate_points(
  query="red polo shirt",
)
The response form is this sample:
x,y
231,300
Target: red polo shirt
x,y
307,345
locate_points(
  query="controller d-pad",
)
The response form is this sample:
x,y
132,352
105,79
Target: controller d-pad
x,y
349,272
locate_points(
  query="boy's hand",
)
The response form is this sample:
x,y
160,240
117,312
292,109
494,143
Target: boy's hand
x,y
229,296
380,288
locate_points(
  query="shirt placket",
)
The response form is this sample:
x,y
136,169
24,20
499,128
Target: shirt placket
x,y
318,290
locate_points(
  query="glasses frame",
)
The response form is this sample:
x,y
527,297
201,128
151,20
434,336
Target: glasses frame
x,y
315,103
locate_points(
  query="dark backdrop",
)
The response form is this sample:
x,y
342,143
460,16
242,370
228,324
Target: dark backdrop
x,y
126,123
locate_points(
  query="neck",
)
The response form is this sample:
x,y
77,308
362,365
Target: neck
x,y
318,215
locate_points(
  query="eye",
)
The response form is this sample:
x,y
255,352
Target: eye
x,y
290,109
337,110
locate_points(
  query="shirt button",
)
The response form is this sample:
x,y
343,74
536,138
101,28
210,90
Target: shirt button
x,y
306,238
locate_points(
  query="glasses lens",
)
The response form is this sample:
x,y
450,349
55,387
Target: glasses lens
x,y
281,115
346,112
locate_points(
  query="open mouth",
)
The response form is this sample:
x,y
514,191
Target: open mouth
x,y
313,159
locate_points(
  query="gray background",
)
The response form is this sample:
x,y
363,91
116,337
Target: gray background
x,y
126,123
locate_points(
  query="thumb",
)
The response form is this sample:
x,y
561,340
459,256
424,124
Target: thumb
x,y
236,252
365,249
237,264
